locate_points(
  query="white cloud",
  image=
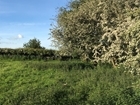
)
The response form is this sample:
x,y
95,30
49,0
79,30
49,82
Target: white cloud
x,y
20,36
28,24
7,43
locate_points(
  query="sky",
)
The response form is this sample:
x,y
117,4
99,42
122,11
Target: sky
x,y
22,20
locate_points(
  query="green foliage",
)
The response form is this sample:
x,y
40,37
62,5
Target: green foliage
x,y
23,84
34,54
132,37
100,30
33,43
27,54
64,65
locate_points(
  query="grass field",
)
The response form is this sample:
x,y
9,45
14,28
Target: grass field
x,y
66,83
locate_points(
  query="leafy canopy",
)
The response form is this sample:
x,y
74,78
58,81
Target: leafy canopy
x,y
99,30
33,43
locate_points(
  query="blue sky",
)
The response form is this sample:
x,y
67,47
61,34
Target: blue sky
x,y
22,20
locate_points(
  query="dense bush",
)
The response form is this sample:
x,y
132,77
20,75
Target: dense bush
x,y
34,54
100,30
26,54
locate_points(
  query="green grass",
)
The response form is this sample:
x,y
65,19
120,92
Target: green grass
x,y
66,83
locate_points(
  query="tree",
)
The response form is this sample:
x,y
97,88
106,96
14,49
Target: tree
x,y
99,30
80,27
33,43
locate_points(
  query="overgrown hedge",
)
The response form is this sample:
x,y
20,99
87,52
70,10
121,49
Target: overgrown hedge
x,y
26,53
32,54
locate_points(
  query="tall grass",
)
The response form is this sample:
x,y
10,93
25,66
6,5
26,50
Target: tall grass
x,y
66,83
